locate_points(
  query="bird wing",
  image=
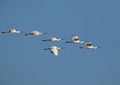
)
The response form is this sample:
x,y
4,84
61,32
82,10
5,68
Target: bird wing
x,y
75,38
89,44
54,51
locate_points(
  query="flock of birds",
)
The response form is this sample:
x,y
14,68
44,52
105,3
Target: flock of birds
x,y
54,49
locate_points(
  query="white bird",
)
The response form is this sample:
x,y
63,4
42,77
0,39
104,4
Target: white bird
x,y
53,39
54,50
75,39
12,31
36,33
90,46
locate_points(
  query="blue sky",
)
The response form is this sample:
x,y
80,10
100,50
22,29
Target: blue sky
x,y
23,60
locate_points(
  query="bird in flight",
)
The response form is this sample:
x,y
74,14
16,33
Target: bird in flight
x,y
53,39
75,39
36,33
89,45
54,50
12,31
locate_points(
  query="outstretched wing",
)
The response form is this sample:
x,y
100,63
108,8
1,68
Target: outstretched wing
x,y
75,38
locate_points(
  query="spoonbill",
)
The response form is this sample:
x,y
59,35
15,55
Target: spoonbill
x,y
54,50
75,39
12,31
89,45
36,33
53,39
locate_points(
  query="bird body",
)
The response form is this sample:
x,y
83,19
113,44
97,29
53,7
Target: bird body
x,y
75,39
53,39
36,33
12,31
53,50
90,46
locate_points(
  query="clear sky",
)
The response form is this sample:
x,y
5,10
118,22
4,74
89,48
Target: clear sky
x,y
23,60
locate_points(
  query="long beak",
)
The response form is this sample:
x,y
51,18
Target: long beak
x,y
81,47
5,32
68,41
46,49
45,40
28,34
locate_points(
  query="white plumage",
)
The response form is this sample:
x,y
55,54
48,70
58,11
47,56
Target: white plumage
x,y
89,45
53,39
75,39
12,31
36,33
54,50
